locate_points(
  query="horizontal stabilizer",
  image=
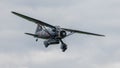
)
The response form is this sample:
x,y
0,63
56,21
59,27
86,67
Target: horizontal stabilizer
x,y
32,34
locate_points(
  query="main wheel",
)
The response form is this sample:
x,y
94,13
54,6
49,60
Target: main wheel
x,y
46,44
63,47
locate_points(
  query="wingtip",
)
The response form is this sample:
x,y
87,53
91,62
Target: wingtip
x,y
13,12
103,35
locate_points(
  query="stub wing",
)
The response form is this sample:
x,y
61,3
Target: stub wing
x,y
82,32
33,20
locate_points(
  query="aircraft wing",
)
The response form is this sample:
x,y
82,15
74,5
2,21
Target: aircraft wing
x,y
33,20
82,32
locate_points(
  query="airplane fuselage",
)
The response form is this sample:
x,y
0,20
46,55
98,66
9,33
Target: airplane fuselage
x,y
45,34
50,33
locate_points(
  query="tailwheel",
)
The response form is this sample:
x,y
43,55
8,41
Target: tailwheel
x,y
36,40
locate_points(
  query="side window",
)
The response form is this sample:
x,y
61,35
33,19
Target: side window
x,y
39,28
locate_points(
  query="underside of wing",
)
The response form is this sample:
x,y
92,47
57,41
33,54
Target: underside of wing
x,y
82,32
33,20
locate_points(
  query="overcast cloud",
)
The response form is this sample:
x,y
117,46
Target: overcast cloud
x,y
99,16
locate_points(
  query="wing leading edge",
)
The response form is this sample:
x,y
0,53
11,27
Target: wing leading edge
x,y
82,32
33,20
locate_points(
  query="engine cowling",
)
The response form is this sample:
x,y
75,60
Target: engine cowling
x,y
62,34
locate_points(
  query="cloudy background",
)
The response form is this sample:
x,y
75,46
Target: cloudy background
x,y
99,16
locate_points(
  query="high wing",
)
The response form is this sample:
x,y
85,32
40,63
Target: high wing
x,y
33,20
82,32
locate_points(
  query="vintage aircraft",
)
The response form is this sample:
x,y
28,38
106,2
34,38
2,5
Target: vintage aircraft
x,y
52,34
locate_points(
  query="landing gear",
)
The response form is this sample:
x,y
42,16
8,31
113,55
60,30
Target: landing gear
x,y
63,46
46,44
56,41
51,41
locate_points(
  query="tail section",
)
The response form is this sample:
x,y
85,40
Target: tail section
x,y
34,35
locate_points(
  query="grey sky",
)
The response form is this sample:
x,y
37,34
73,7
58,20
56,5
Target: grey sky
x,y
99,16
